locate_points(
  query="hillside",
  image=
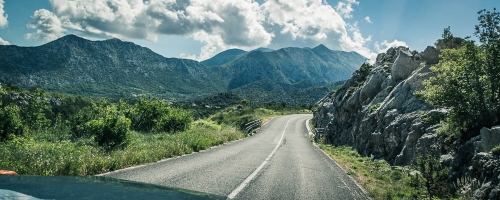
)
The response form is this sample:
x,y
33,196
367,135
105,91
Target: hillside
x,y
118,69
105,68
319,65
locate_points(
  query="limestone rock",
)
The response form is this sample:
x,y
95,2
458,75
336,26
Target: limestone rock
x,y
490,138
403,66
430,55
377,113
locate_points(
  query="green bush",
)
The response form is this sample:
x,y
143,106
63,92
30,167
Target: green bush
x,y
173,121
146,113
84,115
374,107
10,122
433,176
111,131
496,150
37,112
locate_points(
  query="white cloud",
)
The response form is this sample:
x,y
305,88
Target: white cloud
x,y
3,42
47,25
385,45
218,24
344,8
367,19
3,16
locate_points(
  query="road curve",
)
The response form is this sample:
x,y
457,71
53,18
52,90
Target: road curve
x,y
279,162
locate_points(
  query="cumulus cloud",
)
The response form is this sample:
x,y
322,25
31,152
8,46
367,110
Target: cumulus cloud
x,y
385,45
3,16
345,9
3,42
47,25
218,24
367,19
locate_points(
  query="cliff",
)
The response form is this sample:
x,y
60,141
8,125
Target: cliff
x,y
377,113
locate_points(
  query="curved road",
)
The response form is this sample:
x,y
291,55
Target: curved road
x,y
279,162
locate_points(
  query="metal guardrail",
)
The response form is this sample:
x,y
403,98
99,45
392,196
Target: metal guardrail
x,y
250,126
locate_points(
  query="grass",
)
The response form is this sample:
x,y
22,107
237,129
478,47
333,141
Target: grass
x,y
46,154
377,177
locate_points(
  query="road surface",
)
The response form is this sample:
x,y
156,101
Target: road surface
x,y
278,162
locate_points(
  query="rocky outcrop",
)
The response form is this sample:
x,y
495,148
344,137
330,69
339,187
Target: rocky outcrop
x,y
490,138
377,113
376,110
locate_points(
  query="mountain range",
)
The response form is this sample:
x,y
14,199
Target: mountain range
x,y
119,69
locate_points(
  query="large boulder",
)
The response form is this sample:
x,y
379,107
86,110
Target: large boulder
x,y
430,55
403,66
490,138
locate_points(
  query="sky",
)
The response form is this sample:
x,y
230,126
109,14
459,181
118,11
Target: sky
x,y
199,29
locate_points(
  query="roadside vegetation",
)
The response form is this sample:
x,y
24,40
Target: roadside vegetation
x,y
52,134
425,178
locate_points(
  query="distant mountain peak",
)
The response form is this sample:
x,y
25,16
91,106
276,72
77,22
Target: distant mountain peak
x,y
224,57
321,47
70,37
114,39
263,49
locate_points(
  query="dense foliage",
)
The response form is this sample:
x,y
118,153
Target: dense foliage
x,y
109,124
467,80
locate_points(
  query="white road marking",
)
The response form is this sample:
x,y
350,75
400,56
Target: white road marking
x,y
252,176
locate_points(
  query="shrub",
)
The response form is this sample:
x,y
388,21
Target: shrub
x,y
374,107
84,115
433,175
173,121
38,112
10,122
111,131
146,113
496,150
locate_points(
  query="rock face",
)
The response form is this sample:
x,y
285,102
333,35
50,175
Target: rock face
x,y
376,110
377,113
490,138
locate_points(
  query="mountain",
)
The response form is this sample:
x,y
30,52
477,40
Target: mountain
x,y
105,68
292,65
224,57
264,49
118,69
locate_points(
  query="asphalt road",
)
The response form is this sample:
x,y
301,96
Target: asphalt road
x,y
279,162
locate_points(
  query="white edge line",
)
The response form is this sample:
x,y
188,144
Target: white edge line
x,y
254,173
352,179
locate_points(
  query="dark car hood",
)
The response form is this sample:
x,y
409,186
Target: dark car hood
x,y
89,187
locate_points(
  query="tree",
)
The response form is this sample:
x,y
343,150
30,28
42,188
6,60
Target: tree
x,y
112,129
432,174
488,32
10,122
466,80
38,112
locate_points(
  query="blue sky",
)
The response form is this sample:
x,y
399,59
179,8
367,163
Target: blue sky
x,y
199,29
